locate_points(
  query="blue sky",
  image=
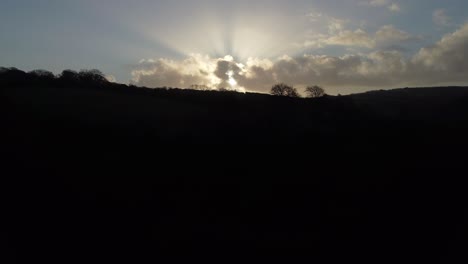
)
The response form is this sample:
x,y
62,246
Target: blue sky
x,y
339,44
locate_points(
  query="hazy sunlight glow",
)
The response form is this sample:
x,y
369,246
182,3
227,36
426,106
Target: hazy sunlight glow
x,y
231,80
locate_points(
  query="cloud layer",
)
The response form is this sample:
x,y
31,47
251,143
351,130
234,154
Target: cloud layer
x,y
445,62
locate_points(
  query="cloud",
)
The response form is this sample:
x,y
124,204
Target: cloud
x,y
332,31
449,55
392,6
443,63
387,36
110,78
196,69
376,2
358,38
441,18
326,22
375,69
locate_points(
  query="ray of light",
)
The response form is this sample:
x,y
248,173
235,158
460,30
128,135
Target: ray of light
x,y
241,35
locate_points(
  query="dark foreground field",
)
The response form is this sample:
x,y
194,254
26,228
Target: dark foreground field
x,y
111,174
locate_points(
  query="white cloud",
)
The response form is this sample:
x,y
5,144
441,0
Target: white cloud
x,y
376,2
386,36
110,78
390,33
196,69
392,6
329,23
373,70
443,63
441,18
389,36
449,55
357,38
329,30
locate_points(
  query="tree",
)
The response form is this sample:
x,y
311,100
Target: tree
x,y
200,87
69,75
13,76
315,91
282,89
42,74
92,76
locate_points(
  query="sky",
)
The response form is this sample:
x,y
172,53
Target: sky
x,y
346,46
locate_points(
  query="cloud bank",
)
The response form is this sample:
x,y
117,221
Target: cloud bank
x,y
444,63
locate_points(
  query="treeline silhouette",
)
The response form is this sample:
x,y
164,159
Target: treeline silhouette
x,y
99,172
282,89
84,79
15,77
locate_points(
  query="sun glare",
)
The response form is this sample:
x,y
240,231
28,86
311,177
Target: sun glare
x,y
231,80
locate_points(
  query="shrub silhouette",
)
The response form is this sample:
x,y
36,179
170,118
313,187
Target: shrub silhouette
x,y
314,91
282,89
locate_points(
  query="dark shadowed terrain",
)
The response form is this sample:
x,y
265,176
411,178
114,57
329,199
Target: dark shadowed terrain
x,y
95,172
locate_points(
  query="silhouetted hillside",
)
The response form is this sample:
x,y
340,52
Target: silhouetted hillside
x,y
99,172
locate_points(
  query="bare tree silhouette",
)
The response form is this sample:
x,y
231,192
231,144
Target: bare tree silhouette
x,y
282,89
315,91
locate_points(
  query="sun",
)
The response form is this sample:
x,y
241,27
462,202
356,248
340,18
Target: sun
x,y
232,82
231,79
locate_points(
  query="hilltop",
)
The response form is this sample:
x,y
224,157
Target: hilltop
x,y
98,172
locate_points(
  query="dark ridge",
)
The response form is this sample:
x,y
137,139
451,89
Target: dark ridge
x,y
98,172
